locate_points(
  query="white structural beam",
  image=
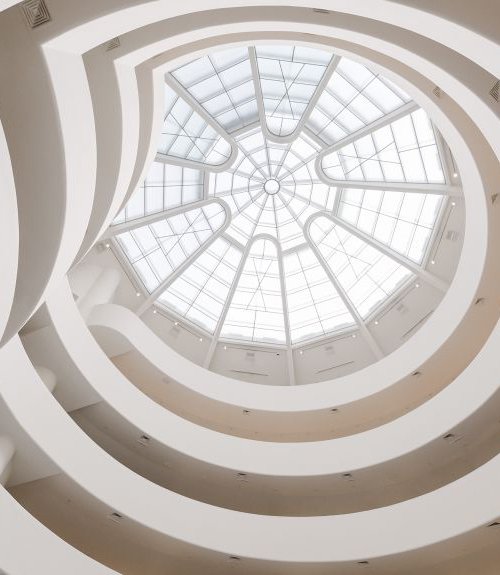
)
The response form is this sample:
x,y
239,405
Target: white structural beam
x,y
436,189
252,54
389,118
420,272
284,298
227,304
199,109
330,69
117,229
441,189
343,295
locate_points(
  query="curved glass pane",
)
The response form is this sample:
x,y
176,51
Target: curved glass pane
x,y
156,250
366,275
256,310
314,305
199,294
188,136
354,97
404,151
288,76
223,84
165,187
402,221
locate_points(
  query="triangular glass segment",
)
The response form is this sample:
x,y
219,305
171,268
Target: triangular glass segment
x,y
289,231
156,250
289,76
223,84
353,98
266,223
403,151
166,186
200,293
402,221
366,275
314,306
188,136
256,310
243,224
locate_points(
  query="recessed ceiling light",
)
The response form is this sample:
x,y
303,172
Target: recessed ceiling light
x,y
453,203
353,336
201,339
301,352
107,245
433,262
417,285
176,323
225,347
138,293
455,175
154,311
376,322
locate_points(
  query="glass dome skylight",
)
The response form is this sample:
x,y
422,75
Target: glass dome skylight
x,y
294,193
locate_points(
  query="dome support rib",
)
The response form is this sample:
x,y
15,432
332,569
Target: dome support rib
x,y
200,110
289,353
225,309
400,112
252,54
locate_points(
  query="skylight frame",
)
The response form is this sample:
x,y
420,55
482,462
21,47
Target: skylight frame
x,y
292,202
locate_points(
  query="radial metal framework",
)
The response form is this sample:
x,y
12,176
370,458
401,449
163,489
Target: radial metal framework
x,y
294,193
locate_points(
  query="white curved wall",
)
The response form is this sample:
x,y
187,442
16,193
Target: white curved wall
x,y
452,46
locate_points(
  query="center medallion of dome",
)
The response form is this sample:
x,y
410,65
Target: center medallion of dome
x,y
272,186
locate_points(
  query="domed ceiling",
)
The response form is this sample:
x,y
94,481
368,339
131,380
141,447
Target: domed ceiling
x,y
293,194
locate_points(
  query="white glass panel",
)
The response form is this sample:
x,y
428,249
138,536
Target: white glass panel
x,y
402,221
157,249
366,275
187,135
353,98
394,153
288,79
223,84
199,294
314,306
256,310
165,187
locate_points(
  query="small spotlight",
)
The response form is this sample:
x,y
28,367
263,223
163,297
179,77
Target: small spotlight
x,y
301,352
417,285
154,311
353,336
455,174
433,262
376,322
453,204
225,347
107,245
201,339
138,293
176,323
